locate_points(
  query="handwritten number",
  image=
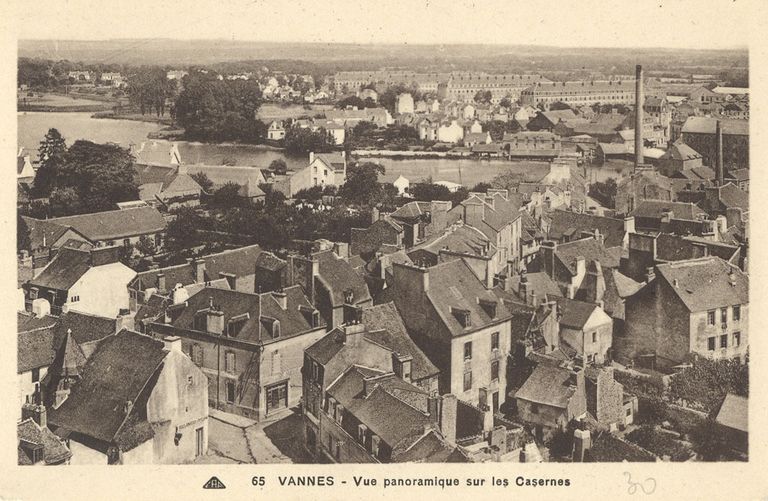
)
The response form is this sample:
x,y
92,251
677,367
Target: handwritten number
x,y
633,486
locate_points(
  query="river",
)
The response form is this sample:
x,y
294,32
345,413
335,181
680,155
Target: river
x,y
32,127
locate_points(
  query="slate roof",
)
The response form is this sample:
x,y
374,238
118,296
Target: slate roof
x,y
570,223
733,196
386,327
116,373
54,450
453,285
385,415
574,314
465,239
339,276
40,230
706,125
240,262
547,385
734,413
39,338
538,282
64,271
268,261
607,448
706,283
680,151
411,210
589,249
115,224
656,208
236,303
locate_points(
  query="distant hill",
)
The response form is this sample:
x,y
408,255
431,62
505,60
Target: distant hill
x,y
332,57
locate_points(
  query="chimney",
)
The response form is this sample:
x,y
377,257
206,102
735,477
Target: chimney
x,y
214,319
161,281
719,154
639,101
199,265
311,156
650,274
38,414
41,307
281,298
448,409
582,441
629,224
548,249
172,344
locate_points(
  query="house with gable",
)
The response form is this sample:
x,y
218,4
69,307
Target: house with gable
x,y
147,408
89,281
461,325
38,445
696,306
248,345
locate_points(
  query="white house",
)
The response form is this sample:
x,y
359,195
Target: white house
x,y
88,281
403,185
404,104
450,133
276,131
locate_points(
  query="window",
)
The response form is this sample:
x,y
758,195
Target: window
x,y
737,338
200,321
189,380
126,242
724,316
74,299
230,392
276,366
467,381
711,317
495,341
35,375
711,344
724,341
197,354
629,412
534,408
736,313
594,337
229,362
495,370
468,350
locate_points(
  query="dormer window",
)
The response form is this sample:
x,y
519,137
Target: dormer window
x,y
349,296
489,307
200,321
463,316
235,324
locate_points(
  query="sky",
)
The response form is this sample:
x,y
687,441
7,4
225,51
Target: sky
x,y
707,24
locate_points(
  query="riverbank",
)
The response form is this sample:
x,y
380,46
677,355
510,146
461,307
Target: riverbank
x,y
136,117
73,108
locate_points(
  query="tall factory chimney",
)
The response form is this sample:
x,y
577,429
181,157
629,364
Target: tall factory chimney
x,y
639,102
719,171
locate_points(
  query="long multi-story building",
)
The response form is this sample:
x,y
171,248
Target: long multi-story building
x,y
581,93
464,86
354,80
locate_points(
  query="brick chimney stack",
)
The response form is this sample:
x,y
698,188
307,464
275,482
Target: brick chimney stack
x,y
719,154
639,101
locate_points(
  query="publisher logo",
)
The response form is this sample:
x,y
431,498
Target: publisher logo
x,y
214,483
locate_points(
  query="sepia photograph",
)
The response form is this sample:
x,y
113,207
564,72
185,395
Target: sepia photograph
x,y
255,233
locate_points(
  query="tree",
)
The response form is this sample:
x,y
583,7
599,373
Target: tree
x,y
505,103
51,154
226,197
300,141
604,192
219,110
146,246
362,185
426,192
65,202
559,105
101,175
498,128
483,96
149,89
202,179
279,167
481,187
182,230
22,234
708,441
